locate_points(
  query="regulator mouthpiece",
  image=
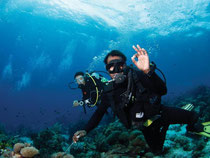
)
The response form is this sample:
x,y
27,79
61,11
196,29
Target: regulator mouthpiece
x,y
119,78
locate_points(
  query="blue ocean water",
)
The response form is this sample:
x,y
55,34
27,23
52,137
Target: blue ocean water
x,y
43,43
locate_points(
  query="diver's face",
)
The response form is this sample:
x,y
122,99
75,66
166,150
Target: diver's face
x,y
111,68
80,80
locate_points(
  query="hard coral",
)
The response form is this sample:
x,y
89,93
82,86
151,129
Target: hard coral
x,y
29,152
17,147
61,155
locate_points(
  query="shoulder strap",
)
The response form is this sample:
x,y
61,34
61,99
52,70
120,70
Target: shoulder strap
x,y
137,82
112,103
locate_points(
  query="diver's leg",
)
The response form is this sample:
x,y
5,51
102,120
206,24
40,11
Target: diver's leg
x,y
163,131
173,115
155,133
155,136
151,138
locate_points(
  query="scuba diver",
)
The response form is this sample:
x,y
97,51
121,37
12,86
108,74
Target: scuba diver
x,y
134,95
92,85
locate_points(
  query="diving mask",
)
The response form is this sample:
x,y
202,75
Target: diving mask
x,y
115,66
80,80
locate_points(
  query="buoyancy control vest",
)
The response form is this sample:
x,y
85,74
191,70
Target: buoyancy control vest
x,y
95,84
135,95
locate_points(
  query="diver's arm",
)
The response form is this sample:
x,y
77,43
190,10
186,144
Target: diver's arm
x,y
97,116
148,78
156,84
94,120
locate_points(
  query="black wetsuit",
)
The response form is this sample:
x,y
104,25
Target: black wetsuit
x,y
143,108
89,90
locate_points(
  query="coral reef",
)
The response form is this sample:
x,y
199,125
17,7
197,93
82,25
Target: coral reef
x,y
113,140
6,142
50,140
21,150
200,98
61,155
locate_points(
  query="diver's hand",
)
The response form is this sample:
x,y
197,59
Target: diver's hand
x,y
75,103
142,62
78,135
